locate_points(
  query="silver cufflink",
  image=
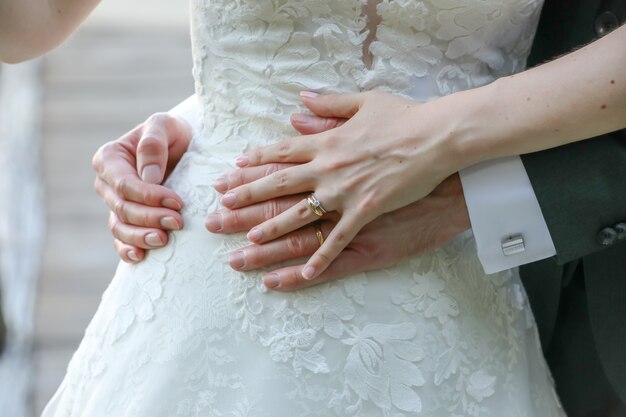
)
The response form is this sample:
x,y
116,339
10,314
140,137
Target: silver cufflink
x,y
513,245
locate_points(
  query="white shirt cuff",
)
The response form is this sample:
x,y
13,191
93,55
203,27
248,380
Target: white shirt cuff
x,y
502,205
188,110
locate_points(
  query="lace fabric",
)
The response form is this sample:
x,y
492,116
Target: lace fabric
x,y
181,334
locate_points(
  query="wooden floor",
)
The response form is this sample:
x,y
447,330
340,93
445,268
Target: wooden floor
x,y
104,81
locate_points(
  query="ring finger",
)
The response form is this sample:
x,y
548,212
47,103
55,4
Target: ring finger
x,y
288,221
300,243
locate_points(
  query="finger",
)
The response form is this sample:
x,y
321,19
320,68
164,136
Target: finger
x,y
297,244
246,175
288,221
342,234
333,105
136,214
132,188
140,237
115,165
294,180
308,125
128,253
244,219
293,150
161,133
290,278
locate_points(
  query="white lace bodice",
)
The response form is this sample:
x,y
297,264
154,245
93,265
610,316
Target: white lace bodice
x,y
183,335
253,57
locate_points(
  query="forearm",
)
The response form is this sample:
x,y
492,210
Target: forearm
x,y
576,97
29,28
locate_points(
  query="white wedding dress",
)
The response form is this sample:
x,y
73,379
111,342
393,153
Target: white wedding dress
x,y
183,335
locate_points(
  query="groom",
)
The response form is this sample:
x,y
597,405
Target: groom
x,y
579,295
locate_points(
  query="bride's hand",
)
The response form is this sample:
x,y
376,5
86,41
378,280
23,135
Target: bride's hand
x,y
410,231
142,210
381,159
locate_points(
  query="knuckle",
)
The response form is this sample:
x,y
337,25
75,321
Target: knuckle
x,y
281,180
120,187
283,150
160,119
295,245
271,209
244,195
303,212
256,156
150,144
119,208
234,218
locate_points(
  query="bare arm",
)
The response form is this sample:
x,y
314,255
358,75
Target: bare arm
x,y
29,28
575,97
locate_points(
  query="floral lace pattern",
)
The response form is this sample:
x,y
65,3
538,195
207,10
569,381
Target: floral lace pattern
x,y
182,335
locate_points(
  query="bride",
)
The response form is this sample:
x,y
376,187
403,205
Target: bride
x,y
181,334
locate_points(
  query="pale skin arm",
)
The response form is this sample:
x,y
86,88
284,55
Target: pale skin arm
x,y
29,28
392,152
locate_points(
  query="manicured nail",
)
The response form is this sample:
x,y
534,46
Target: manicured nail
x,y
308,94
151,174
171,204
271,280
132,255
255,235
169,223
153,239
214,222
242,161
308,273
221,184
229,199
237,259
301,119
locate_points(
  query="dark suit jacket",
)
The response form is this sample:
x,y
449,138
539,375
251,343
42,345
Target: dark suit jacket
x,y
581,189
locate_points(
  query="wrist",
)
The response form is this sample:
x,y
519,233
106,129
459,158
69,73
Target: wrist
x,y
472,127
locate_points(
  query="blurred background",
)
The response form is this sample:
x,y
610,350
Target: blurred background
x,y
129,60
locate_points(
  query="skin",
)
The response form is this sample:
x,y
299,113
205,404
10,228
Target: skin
x,y
354,173
29,28
500,119
418,228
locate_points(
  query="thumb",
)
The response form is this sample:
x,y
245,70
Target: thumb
x,y
309,125
333,105
160,132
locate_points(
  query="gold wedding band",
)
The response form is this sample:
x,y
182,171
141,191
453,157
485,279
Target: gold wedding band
x,y
315,205
318,233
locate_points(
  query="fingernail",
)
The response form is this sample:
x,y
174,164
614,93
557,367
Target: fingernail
x,y
255,235
242,161
221,184
308,94
153,239
271,280
132,255
237,259
169,223
308,273
214,222
228,199
302,119
171,204
151,174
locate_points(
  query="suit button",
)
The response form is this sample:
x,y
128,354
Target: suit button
x,y
605,23
607,236
620,228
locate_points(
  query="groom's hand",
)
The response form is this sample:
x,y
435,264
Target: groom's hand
x,y
410,231
142,210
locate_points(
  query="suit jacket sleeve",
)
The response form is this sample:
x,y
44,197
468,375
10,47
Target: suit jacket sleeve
x,y
581,189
